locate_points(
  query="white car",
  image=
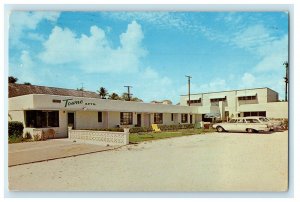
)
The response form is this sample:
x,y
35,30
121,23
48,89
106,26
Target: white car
x,y
273,124
243,124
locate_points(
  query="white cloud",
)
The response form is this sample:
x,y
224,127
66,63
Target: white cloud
x,y
252,37
273,55
24,69
24,20
248,80
153,86
94,53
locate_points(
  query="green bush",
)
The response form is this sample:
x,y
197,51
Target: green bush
x,y
15,129
176,127
140,129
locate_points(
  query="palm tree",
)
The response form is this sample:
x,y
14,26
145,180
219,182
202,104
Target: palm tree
x,y
124,96
102,92
135,99
114,96
12,79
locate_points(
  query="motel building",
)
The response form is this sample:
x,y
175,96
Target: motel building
x,y
40,107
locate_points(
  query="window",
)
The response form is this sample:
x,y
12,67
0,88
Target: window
x,y
126,118
240,121
53,119
41,119
172,117
218,99
232,121
259,113
247,98
252,121
215,101
99,117
194,101
184,118
158,118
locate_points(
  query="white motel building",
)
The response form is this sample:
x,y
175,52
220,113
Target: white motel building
x,y
40,107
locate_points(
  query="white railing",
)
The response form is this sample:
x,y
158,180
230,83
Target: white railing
x,y
99,137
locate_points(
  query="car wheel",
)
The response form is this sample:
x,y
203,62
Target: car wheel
x,y
250,130
220,129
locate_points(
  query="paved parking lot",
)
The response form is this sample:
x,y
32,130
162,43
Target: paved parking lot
x,y
29,152
206,162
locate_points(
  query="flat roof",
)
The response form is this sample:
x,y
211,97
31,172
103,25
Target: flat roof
x,y
229,91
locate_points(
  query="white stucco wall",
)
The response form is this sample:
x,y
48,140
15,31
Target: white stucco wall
x,y
88,120
273,109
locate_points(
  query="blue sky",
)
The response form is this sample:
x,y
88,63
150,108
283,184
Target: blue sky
x,y
151,51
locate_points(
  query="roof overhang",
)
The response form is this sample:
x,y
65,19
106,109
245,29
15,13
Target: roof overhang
x,y
217,97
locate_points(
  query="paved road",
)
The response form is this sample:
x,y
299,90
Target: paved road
x,y
209,162
29,152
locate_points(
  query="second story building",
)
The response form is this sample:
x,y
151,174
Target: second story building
x,y
235,103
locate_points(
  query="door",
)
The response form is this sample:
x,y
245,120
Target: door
x,y
71,119
191,118
139,120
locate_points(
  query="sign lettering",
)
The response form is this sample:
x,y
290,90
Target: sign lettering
x,y
71,102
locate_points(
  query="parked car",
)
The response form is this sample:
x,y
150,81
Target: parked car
x,y
243,124
273,124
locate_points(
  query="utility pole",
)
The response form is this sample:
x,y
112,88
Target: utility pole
x,y
286,79
82,89
189,87
128,91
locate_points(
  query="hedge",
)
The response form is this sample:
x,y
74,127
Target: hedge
x,y
176,127
148,129
15,129
140,129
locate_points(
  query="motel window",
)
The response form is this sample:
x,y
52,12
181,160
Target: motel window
x,y
158,118
184,118
194,101
41,119
126,118
99,116
247,98
259,113
218,99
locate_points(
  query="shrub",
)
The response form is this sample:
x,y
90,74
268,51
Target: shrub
x,y
15,129
140,129
176,127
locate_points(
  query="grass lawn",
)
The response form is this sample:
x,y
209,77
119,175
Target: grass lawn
x,y
140,137
17,140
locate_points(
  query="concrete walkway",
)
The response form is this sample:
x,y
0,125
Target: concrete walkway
x,y
30,152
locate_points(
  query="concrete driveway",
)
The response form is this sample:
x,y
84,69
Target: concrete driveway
x,y
30,152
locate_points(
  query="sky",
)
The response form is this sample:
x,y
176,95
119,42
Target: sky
x,y
150,51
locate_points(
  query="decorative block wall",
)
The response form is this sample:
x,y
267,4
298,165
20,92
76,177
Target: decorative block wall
x,y
100,137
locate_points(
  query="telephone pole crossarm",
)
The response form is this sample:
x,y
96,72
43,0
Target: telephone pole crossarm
x,y
128,91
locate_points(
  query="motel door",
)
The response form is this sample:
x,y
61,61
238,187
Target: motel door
x,y
71,119
139,120
191,118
